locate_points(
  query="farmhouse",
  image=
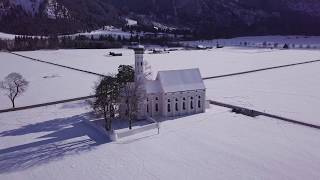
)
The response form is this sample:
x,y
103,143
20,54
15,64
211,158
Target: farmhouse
x,y
173,93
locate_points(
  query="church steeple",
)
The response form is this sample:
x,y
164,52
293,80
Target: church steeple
x,y
139,69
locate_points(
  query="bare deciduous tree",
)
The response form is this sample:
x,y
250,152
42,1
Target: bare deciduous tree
x,y
147,70
14,86
134,92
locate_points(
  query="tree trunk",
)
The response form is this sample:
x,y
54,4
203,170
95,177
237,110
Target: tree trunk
x,y
13,105
130,123
112,115
129,115
105,118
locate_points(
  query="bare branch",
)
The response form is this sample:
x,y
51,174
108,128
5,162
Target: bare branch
x,y
14,86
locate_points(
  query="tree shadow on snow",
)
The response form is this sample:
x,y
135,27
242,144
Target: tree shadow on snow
x,y
67,136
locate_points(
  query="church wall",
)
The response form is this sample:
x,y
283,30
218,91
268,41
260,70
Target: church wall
x,y
183,103
154,105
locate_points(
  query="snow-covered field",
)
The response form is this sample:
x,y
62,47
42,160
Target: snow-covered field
x,y
291,92
47,83
258,90
53,143
6,36
109,30
211,62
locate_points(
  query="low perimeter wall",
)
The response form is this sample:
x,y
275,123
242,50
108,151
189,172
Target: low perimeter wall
x,y
114,136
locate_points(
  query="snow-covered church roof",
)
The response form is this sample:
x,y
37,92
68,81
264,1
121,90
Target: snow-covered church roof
x,y
153,87
177,80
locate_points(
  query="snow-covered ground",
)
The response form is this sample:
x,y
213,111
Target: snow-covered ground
x,y
211,62
108,30
54,143
6,36
47,83
244,89
291,92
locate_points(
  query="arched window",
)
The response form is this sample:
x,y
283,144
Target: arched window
x,y
177,109
157,98
169,108
199,103
176,99
191,104
141,64
184,105
157,107
147,108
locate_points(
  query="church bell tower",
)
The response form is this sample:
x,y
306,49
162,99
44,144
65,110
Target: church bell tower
x,y
139,69
139,80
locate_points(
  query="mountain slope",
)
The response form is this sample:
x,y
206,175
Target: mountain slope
x,y
207,18
55,16
232,17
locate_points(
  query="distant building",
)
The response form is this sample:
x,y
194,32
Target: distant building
x,y
173,93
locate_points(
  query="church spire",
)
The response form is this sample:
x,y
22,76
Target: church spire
x,y
139,63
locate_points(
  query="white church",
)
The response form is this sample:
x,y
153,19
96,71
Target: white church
x,y
173,93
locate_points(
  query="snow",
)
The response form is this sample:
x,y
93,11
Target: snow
x,y
53,143
301,105
47,83
153,87
6,36
291,92
107,30
210,62
131,22
55,10
180,80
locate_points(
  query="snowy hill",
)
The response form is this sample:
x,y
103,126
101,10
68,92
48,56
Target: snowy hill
x,y
208,18
50,8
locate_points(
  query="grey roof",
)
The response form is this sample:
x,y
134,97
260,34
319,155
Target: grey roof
x,y
180,80
153,87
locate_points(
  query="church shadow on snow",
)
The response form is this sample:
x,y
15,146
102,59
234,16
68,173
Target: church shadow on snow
x,y
67,136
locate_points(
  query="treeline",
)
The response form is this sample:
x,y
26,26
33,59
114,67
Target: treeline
x,y
151,29
29,43
23,43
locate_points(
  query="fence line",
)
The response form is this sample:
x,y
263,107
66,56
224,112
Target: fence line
x,y
254,113
45,104
261,69
59,65
137,130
